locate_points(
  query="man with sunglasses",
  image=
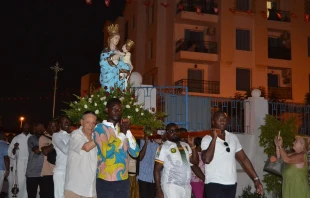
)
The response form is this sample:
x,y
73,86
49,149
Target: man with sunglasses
x,y
175,159
220,152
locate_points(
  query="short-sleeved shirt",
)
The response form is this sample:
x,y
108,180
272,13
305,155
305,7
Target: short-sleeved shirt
x,y
35,161
47,168
222,168
175,170
3,152
81,166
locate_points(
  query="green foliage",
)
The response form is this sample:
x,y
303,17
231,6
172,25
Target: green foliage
x,y
247,193
97,100
269,131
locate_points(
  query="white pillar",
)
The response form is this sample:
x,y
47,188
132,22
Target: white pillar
x,y
256,109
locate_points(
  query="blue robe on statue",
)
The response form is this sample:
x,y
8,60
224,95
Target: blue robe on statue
x,y
110,71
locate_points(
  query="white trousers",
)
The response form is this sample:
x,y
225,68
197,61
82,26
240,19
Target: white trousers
x,y
175,191
59,178
21,176
2,174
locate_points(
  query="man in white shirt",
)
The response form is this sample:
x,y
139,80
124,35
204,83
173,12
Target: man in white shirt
x,y
219,153
18,150
82,160
175,159
60,141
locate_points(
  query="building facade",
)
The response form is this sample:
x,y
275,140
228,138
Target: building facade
x,y
220,47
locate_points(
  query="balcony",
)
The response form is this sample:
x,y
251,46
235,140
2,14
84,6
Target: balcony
x,y
200,86
281,92
186,12
202,51
279,15
279,53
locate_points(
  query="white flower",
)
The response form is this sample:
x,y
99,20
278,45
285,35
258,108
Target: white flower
x,y
128,117
102,98
127,106
105,103
97,111
131,98
142,114
137,109
90,101
75,102
79,109
98,96
85,106
121,98
91,96
95,104
135,103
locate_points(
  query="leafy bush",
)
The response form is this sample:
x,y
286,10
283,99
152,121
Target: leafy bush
x,y
247,193
97,100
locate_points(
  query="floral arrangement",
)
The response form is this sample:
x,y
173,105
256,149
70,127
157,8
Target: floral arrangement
x,y
96,101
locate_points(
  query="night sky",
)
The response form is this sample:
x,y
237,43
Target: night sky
x,y
39,33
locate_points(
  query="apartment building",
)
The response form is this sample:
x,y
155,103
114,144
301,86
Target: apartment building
x,y
220,47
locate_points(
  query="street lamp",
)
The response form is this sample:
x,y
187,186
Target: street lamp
x,y
21,121
56,69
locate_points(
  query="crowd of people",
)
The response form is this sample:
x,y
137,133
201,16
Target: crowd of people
x,y
104,160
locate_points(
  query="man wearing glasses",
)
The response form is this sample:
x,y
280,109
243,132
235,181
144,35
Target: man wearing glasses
x,y
220,152
175,159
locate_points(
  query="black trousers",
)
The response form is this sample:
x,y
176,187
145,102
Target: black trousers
x,y
32,186
213,190
47,190
147,189
113,189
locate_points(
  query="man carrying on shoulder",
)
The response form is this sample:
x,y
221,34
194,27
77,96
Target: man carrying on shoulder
x,y
175,158
114,142
60,141
82,160
219,153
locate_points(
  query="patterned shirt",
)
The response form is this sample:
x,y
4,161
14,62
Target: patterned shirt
x,y
113,148
35,161
147,163
3,152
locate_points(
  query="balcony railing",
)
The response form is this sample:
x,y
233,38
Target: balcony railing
x,y
200,86
279,15
191,6
196,46
280,92
279,53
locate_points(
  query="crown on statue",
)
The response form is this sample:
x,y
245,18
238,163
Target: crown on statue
x,y
113,29
129,44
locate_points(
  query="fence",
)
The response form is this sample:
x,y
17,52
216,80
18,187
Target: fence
x,y
284,111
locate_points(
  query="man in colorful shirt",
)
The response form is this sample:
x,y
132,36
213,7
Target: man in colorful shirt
x,y
114,142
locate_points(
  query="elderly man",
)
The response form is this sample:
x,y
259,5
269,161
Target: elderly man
x,y
175,159
18,151
219,153
82,160
114,142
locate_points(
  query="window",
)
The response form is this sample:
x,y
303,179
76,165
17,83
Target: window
x,y
195,80
126,31
273,80
151,15
150,54
243,40
307,8
271,5
243,5
133,22
243,79
308,46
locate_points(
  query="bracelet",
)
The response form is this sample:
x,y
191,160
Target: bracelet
x,y
193,147
256,178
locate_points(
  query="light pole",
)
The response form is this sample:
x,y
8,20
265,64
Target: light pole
x,y
56,69
21,121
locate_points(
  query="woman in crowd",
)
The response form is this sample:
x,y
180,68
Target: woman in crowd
x,y
295,172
